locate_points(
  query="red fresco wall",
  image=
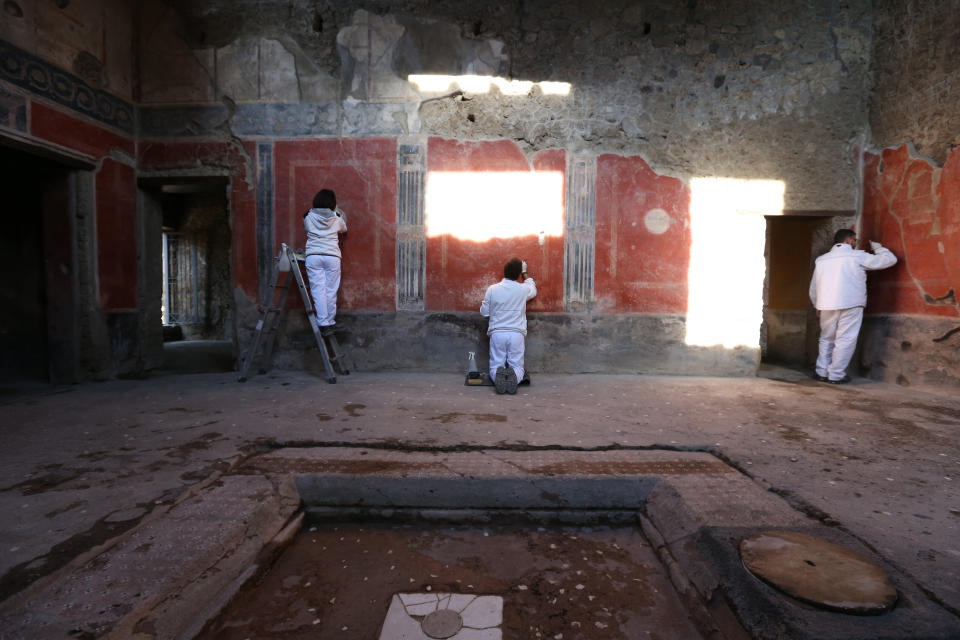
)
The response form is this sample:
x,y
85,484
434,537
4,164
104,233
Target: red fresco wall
x,y
116,200
243,195
458,271
913,208
116,188
363,174
637,270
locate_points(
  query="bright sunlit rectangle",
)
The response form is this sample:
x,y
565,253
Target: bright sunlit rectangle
x,y
727,264
482,205
483,84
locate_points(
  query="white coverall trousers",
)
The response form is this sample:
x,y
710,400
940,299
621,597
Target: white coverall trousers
x,y
324,275
506,349
838,339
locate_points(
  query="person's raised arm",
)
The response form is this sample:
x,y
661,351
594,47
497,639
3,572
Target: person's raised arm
x,y
881,258
531,287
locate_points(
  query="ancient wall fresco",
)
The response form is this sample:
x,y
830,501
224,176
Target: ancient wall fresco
x,y
911,335
458,270
913,207
116,208
643,238
363,174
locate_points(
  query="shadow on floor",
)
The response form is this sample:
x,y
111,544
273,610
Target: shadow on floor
x,y
198,356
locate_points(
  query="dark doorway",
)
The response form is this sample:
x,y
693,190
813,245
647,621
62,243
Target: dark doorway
x,y
196,282
36,265
789,246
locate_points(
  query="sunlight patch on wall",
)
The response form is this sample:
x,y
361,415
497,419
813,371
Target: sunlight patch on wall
x,y
482,205
483,84
727,267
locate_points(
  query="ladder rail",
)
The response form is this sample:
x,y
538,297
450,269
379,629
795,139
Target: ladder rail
x,y
270,320
279,310
311,315
266,310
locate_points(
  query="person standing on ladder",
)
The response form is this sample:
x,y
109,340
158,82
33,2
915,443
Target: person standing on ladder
x,y
324,223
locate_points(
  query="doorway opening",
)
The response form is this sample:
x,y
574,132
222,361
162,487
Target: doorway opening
x,y
195,275
787,312
38,325
790,326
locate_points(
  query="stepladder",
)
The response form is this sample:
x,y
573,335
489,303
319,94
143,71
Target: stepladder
x,y
286,273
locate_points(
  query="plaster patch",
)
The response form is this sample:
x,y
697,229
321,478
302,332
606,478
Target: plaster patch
x,y
657,221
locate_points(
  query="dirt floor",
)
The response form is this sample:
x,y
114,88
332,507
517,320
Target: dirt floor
x,y
336,581
81,464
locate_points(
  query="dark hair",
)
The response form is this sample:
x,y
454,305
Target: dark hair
x,y
513,268
842,235
325,199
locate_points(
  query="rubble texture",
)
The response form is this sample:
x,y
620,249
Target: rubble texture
x,y
745,91
917,81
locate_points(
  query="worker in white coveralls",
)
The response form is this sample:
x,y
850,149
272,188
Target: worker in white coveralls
x,y
838,290
324,223
505,303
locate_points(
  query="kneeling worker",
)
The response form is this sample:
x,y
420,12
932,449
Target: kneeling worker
x,y
505,303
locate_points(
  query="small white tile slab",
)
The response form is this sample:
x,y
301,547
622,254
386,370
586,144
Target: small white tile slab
x,y
459,601
486,612
479,634
482,615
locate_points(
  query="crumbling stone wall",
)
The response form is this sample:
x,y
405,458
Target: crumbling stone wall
x,y
917,79
911,203
735,89
91,40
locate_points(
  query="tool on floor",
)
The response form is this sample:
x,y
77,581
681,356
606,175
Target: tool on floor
x,y
477,378
288,261
474,377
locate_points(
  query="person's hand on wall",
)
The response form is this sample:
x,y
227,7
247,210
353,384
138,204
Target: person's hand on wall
x,y
875,246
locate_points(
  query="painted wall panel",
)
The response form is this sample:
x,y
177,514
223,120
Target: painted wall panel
x,y
115,200
116,190
459,270
948,217
643,238
913,208
363,173
56,126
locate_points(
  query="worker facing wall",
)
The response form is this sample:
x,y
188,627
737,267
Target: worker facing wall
x,y
644,112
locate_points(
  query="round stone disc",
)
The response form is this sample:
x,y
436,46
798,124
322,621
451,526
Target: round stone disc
x,y
442,624
818,572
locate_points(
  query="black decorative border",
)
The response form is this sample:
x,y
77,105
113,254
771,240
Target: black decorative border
x,y
44,79
265,216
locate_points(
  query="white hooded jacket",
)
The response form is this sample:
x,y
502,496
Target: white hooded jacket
x,y
505,303
840,276
323,227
